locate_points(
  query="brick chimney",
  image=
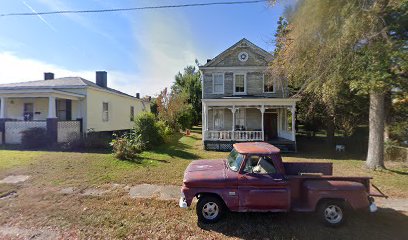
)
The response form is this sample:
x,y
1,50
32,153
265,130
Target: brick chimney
x,y
102,79
48,76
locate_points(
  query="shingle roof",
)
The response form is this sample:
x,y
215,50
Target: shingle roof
x,y
65,82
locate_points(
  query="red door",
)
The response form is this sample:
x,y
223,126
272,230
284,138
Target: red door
x,y
270,126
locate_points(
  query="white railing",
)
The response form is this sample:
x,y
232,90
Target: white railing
x,y
13,129
234,135
68,131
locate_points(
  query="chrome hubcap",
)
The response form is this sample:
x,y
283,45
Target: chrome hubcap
x,y
210,210
333,214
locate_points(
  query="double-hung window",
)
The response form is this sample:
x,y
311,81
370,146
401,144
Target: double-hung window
x,y
240,119
239,84
218,119
132,113
269,85
105,111
218,83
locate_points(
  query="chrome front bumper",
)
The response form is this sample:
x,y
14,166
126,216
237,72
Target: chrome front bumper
x,y
373,207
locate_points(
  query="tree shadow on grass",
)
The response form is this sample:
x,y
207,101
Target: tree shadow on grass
x,y
385,224
175,149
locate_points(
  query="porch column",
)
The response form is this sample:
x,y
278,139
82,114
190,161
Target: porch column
x,y
233,110
205,123
2,120
293,122
79,116
262,121
52,121
3,107
51,107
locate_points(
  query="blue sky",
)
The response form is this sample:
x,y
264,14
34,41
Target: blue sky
x,y
141,50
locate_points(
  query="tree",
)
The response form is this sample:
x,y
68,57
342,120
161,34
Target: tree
x,y
188,84
358,45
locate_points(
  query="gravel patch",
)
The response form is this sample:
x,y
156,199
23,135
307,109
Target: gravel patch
x,y
94,192
13,179
398,204
68,190
167,192
22,233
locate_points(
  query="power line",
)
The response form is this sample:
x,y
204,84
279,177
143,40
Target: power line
x,y
131,9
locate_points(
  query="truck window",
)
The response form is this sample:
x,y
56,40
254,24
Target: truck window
x,y
234,160
260,165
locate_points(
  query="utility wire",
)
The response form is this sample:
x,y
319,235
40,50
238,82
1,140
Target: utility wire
x,y
131,9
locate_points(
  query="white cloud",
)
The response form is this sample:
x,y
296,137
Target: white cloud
x,y
16,69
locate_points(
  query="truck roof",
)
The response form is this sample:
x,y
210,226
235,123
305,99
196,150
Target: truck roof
x,y
256,148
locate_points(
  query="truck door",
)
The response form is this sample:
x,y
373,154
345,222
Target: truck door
x,y
261,187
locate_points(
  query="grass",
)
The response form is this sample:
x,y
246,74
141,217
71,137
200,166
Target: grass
x,y
114,215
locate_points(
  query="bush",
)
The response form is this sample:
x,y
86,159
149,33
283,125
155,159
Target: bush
x,y
164,130
34,138
147,129
128,146
186,117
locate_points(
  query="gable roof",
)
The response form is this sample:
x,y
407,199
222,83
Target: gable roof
x,y
65,82
241,43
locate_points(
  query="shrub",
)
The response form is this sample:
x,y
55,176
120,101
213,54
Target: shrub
x,y
186,117
147,129
128,146
164,130
35,138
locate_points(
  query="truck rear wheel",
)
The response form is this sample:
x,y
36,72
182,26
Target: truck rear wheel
x,y
210,209
332,213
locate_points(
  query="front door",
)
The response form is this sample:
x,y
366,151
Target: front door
x,y
270,126
261,187
28,111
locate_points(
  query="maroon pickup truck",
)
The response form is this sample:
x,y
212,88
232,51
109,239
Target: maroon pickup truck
x,y
254,179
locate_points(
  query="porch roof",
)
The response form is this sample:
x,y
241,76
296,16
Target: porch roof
x,y
250,101
57,83
40,93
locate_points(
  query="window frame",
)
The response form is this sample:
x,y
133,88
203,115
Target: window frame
x,y
244,116
107,112
245,83
213,82
132,113
263,85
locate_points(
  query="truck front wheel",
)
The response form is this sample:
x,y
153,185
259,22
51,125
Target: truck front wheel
x,y
210,209
332,212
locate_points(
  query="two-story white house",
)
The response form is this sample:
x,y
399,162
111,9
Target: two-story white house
x,y
242,102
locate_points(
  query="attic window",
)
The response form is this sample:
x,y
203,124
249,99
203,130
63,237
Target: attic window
x,y
243,56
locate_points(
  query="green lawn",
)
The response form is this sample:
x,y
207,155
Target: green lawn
x,y
114,215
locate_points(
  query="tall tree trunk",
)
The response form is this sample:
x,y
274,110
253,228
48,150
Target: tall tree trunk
x,y
387,115
375,155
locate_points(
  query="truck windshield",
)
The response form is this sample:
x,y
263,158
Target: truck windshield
x,y
234,160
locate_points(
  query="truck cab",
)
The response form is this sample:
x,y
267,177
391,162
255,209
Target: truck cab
x,y
253,178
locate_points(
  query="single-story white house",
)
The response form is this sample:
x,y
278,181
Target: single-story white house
x,y
65,107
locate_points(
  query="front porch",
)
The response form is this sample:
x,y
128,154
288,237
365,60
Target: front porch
x,y
227,121
59,113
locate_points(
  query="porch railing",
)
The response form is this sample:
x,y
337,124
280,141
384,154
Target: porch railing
x,y
234,135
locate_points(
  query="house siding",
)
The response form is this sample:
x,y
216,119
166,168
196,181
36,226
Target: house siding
x,y
231,60
119,110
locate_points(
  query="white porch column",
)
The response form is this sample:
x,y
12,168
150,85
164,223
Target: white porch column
x,y
262,121
3,107
79,109
293,122
51,107
233,110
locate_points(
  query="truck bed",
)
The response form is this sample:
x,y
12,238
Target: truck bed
x,y
308,168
